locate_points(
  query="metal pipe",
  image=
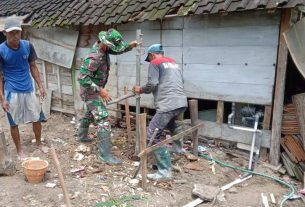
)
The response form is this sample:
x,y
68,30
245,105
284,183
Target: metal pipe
x,y
138,82
257,115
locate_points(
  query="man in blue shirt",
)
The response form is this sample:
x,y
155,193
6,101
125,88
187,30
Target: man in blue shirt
x,y
17,64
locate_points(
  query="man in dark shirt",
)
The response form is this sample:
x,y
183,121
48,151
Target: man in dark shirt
x,y
165,81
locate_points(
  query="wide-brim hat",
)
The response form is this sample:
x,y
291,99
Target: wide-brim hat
x,y
113,39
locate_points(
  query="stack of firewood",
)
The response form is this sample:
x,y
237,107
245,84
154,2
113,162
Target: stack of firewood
x,y
293,155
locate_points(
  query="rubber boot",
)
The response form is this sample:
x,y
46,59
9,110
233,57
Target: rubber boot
x,y
105,146
164,165
177,146
83,131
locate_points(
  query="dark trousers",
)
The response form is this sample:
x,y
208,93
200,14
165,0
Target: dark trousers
x,y
162,120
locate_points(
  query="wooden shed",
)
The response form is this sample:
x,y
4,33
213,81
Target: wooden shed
x,y
230,51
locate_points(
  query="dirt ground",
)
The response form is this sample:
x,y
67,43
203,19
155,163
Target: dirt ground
x,y
103,183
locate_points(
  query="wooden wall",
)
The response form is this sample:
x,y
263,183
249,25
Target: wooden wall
x,y
224,57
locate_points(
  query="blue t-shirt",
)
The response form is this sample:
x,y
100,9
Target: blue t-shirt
x,y
14,64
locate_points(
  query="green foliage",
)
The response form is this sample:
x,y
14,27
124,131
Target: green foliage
x,y
120,202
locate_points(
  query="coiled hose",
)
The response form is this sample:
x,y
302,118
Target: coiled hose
x,y
291,187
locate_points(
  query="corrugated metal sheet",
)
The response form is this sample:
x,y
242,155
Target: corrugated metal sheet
x,y
67,13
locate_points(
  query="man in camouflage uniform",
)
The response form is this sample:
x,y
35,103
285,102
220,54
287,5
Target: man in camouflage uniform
x,y
93,77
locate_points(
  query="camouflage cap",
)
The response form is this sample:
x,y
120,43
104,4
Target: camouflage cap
x,y
113,39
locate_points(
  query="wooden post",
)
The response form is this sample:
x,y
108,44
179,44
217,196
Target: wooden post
x,y
127,115
279,90
142,122
59,89
220,109
194,120
44,72
267,118
61,177
266,125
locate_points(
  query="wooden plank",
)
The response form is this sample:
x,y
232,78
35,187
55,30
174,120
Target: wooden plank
x,y
193,104
232,36
55,45
173,52
230,73
45,82
150,36
231,55
279,90
143,139
171,38
59,90
248,18
46,104
173,138
220,112
298,101
260,94
214,130
168,23
267,117
63,110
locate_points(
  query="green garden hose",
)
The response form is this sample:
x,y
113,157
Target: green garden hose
x,y
291,187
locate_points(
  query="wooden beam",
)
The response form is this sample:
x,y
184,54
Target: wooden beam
x,y
173,138
45,83
263,155
59,89
281,69
194,120
220,110
127,116
142,119
223,132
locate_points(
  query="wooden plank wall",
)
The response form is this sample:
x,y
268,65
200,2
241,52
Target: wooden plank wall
x,y
233,59
62,96
224,57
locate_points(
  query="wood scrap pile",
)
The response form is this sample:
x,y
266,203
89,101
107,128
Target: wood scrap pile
x,y
293,140
290,124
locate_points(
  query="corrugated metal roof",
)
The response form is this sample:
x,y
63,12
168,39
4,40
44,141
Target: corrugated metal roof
x,y
94,12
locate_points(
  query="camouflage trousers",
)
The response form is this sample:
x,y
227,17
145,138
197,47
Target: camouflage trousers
x,y
96,112
163,120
